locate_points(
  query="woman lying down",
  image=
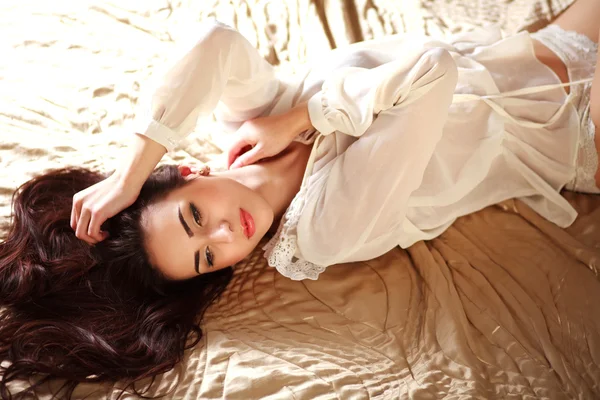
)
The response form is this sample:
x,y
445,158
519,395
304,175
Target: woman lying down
x,y
384,143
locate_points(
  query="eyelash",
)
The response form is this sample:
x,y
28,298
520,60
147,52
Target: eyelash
x,y
196,214
209,258
198,220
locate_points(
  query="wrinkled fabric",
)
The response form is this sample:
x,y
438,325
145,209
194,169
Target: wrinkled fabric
x,y
504,304
463,156
400,159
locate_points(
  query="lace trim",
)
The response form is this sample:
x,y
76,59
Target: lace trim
x,y
578,53
281,249
587,157
561,41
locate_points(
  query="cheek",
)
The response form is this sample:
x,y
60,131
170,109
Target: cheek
x,y
235,253
222,197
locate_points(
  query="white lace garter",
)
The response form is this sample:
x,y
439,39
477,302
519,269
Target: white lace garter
x,y
578,53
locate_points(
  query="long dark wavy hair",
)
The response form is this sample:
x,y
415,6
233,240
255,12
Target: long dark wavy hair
x,y
79,313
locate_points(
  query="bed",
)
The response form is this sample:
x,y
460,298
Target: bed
x,y
503,305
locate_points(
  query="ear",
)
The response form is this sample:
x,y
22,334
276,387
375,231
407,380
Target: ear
x,y
186,170
191,177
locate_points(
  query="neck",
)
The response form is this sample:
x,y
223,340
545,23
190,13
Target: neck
x,y
276,179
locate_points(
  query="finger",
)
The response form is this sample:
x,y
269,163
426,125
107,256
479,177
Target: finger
x,y
82,225
248,158
233,153
74,213
244,150
236,150
93,231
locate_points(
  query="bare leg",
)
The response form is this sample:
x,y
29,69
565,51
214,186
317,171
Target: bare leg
x,y
584,17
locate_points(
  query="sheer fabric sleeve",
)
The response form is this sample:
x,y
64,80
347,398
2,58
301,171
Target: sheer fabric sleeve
x,y
355,211
219,67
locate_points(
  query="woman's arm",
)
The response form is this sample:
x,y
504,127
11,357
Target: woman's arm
x,y
346,103
354,212
93,206
143,154
222,69
220,66
349,101
267,136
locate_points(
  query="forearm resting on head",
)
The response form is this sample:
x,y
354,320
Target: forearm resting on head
x,y
143,154
595,94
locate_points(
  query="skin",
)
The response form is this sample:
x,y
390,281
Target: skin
x,y
583,16
264,189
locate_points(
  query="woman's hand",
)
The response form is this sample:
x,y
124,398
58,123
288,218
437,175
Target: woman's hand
x,y
94,205
267,136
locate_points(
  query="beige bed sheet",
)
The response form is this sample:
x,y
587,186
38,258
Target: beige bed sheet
x,y
502,305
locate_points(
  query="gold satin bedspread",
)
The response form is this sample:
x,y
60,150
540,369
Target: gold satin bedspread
x,y
504,305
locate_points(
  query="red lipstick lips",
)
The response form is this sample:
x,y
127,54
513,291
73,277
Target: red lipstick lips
x,y
247,223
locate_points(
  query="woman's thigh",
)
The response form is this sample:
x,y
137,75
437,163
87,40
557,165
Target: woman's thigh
x,y
583,16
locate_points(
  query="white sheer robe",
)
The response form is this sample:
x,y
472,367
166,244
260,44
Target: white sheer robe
x,y
402,148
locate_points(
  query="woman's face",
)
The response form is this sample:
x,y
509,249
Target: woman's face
x,y
211,223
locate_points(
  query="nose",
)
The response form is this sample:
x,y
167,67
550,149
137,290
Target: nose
x,y
221,233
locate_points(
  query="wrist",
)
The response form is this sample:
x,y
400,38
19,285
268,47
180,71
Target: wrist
x,y
143,154
301,118
126,178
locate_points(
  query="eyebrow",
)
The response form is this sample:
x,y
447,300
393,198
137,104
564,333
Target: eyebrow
x,y
190,234
184,224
